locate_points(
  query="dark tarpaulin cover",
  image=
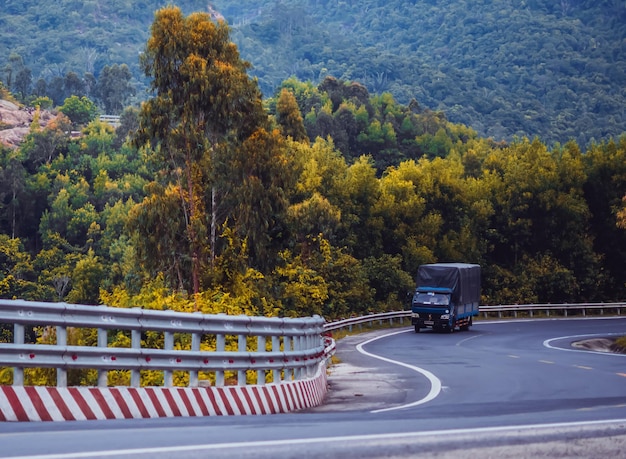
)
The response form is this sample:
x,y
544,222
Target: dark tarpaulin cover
x,y
462,278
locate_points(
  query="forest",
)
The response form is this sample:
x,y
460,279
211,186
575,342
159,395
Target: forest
x,y
323,199
510,69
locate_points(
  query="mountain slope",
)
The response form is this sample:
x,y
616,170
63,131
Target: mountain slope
x,y
506,68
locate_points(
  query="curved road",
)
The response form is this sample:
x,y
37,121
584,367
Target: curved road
x,y
508,388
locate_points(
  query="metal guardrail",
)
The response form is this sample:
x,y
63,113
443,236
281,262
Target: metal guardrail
x,y
564,309
288,348
285,348
113,120
515,310
380,318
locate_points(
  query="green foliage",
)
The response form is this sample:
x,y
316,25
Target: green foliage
x,y
621,215
289,117
220,206
18,278
510,69
113,88
553,69
42,102
80,110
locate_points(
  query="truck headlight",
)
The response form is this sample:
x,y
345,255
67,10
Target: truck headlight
x,y
415,315
445,316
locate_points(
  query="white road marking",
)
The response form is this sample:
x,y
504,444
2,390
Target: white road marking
x,y
325,440
548,343
435,383
467,339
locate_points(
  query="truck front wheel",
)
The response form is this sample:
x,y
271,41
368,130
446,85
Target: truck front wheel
x,y
417,329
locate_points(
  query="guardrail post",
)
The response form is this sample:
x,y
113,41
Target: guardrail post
x,y
310,345
195,347
61,342
135,343
288,345
220,344
276,348
242,346
103,343
297,346
260,374
303,347
18,338
168,345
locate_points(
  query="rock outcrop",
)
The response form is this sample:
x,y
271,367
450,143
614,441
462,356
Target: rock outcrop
x,y
15,122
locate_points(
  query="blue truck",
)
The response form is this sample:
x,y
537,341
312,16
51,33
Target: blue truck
x,y
447,296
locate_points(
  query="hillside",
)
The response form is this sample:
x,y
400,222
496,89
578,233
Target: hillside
x,y
507,68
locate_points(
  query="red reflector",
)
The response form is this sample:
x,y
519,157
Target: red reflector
x,y
74,357
32,356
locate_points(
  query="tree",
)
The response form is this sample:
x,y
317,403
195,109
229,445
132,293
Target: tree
x,y
603,190
73,85
114,88
23,82
258,174
80,110
86,280
621,215
17,276
204,104
289,117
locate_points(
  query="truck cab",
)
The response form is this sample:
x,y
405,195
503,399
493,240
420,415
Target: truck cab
x,y
446,296
432,308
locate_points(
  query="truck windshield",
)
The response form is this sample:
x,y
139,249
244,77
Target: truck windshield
x,y
439,299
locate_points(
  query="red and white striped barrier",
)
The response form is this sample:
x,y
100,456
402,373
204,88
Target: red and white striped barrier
x,y
38,403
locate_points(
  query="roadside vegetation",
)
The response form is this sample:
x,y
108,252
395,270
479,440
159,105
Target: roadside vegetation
x,y
321,200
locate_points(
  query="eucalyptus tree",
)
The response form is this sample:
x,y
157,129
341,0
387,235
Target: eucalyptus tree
x,y
605,165
114,87
196,129
289,117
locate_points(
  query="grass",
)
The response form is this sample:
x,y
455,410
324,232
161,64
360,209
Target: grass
x,y
621,343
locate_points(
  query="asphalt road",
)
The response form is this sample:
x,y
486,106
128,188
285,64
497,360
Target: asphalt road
x,y
503,389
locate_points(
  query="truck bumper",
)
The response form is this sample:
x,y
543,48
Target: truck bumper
x,y
432,323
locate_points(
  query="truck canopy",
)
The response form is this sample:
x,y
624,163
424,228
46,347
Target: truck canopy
x,y
462,280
